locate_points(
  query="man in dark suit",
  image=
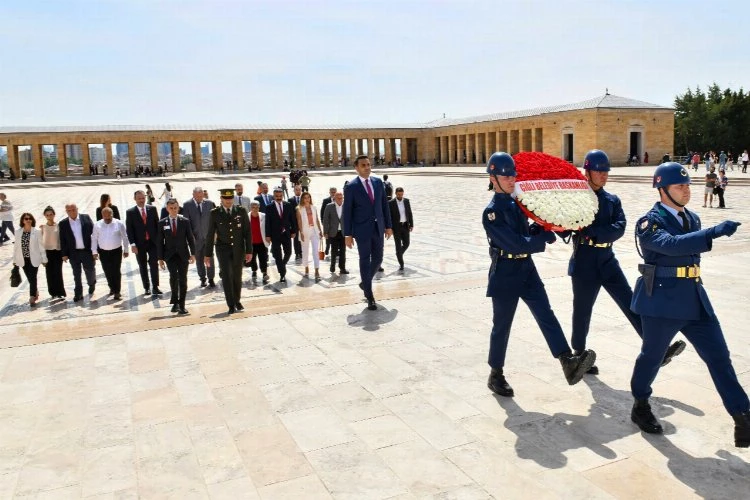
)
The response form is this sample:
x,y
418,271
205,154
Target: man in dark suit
x,y
263,198
294,201
198,211
141,222
281,226
75,246
323,204
403,223
175,246
333,226
229,232
366,219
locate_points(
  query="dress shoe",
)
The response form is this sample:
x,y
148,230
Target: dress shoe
x,y
371,305
175,308
361,286
182,310
673,351
239,307
401,268
742,429
497,384
282,279
211,284
147,292
317,276
591,371
266,279
111,293
203,283
231,310
92,288
575,366
644,418
117,296
254,275
157,291
78,298
343,271
381,270
32,300
333,269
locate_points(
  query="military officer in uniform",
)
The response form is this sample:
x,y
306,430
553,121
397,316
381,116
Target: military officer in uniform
x,y
229,232
670,297
513,276
593,264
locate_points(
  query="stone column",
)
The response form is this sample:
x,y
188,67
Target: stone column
x,y
318,155
13,160
280,153
298,152
335,156
327,152
272,144
388,150
110,158
443,149
309,152
238,154
341,143
62,161
153,149
257,153
37,157
197,155
176,160
353,149
85,159
487,148
361,147
477,148
371,150
217,155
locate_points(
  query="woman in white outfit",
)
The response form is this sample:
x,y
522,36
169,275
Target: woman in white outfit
x,y
310,233
29,254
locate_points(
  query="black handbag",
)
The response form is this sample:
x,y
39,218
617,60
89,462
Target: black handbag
x,y
15,276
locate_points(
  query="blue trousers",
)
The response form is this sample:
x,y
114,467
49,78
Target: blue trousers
x,y
708,340
585,291
370,258
532,292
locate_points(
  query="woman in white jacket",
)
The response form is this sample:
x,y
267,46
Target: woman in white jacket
x,y
310,233
29,253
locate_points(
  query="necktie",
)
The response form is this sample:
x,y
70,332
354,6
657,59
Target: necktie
x,y
685,222
200,208
174,227
281,210
143,216
369,191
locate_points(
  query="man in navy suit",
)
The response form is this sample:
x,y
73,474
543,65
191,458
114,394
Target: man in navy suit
x,y
141,222
75,246
281,226
175,247
366,219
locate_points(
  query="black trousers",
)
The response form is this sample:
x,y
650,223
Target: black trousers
x,y
200,253
720,194
7,225
148,264
401,237
55,285
111,261
230,271
283,243
338,251
297,246
178,269
82,260
31,271
260,257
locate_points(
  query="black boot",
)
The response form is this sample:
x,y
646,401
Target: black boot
x,y
644,417
575,366
742,430
591,371
673,351
498,384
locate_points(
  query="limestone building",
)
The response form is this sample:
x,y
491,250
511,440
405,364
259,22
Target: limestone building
x,y
620,126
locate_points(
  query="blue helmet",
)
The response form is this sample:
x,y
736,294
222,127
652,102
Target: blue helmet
x,y
501,164
670,173
596,160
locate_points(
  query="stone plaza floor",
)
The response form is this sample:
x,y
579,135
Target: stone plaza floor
x,y
308,395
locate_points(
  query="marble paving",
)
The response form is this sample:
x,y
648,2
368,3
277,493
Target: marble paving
x,y
309,395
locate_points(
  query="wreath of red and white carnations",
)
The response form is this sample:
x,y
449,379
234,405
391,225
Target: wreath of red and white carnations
x,y
553,193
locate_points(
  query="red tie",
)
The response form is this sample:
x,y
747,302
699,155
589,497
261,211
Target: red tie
x,y
281,210
174,227
369,191
143,216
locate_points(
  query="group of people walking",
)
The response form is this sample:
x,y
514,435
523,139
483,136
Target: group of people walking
x,y
668,298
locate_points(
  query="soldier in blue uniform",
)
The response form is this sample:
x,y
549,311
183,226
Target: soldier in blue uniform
x,y
670,297
593,264
513,276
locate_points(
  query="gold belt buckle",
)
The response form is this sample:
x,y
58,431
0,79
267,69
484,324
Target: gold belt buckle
x,y
521,255
689,271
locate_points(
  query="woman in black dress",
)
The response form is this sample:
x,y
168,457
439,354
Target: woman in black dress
x,y
51,245
106,201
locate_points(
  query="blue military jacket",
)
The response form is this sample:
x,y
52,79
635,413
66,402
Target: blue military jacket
x,y
665,244
608,226
507,229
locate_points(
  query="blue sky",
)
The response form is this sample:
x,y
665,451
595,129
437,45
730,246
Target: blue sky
x,y
145,62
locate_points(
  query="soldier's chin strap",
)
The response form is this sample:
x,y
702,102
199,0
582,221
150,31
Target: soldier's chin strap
x,y
666,191
497,181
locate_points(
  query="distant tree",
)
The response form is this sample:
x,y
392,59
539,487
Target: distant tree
x,y
716,120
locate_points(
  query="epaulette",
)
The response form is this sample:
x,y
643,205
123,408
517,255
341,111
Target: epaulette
x,y
646,224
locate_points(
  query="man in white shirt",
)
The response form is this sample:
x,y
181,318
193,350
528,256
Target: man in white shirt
x,y
239,199
403,224
6,216
109,243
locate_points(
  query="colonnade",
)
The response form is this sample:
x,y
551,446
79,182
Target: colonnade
x,y
478,146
